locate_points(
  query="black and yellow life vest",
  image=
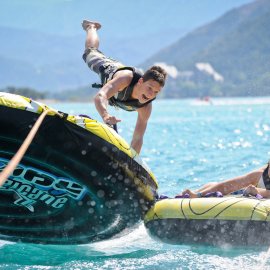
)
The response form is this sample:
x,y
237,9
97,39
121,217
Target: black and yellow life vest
x,y
123,99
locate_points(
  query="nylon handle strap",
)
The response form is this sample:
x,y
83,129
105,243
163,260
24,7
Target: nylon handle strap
x,y
13,163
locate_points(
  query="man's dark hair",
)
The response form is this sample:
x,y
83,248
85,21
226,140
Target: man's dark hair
x,y
155,73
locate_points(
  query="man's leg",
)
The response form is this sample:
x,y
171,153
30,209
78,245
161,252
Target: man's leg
x,y
92,39
104,66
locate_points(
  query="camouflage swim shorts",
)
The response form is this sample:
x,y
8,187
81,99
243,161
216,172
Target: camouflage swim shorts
x,y
104,66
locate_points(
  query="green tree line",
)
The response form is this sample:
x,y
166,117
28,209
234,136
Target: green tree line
x,y
25,91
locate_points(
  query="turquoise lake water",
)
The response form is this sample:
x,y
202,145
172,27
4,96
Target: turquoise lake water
x,y
187,144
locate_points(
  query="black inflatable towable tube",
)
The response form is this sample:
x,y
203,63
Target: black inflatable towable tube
x,y
79,181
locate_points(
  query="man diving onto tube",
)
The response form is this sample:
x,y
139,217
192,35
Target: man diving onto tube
x,y
122,86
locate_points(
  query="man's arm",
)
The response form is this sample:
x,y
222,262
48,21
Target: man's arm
x,y
115,85
141,124
264,192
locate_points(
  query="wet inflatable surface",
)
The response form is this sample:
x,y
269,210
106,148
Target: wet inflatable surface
x,y
234,220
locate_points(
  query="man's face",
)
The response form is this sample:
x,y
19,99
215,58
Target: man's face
x,y
148,90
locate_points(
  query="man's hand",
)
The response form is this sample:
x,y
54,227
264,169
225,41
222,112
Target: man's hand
x,y
121,80
110,120
251,190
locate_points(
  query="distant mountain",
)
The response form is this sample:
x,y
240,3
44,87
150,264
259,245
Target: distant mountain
x,y
41,61
228,57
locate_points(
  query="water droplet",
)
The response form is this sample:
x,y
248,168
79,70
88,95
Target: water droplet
x,y
101,193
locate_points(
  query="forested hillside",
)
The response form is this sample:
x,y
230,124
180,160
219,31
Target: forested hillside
x,y
228,57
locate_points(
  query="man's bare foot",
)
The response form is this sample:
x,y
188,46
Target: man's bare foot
x,y
86,24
